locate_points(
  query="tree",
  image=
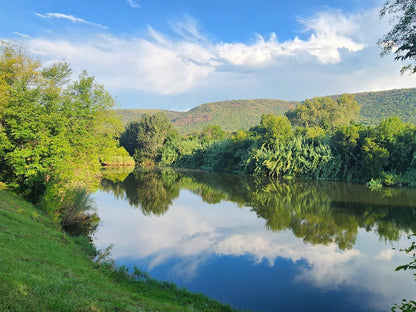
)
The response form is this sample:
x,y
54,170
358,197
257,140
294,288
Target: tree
x,y
324,112
128,138
401,39
212,133
144,139
49,128
273,129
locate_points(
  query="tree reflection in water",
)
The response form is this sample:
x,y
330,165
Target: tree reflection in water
x,y
318,212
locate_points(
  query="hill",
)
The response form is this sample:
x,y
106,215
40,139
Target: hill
x,y
243,114
376,106
230,115
128,115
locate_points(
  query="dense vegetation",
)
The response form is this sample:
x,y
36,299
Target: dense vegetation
x,y
54,133
244,114
376,106
318,139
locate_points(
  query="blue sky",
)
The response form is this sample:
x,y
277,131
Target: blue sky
x,y
179,54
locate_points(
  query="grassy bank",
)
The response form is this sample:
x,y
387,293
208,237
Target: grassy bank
x,y
43,269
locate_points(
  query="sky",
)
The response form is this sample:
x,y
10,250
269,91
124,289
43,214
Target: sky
x,y
176,55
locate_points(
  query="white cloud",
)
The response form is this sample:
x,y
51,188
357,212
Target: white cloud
x,y
168,66
133,4
21,35
69,18
336,53
330,33
187,28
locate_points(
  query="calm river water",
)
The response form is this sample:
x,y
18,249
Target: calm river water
x,y
261,244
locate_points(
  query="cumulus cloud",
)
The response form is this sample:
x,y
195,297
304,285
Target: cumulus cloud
x,y
339,49
69,18
135,63
329,33
157,63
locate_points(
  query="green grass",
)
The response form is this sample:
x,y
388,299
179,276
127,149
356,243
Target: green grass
x,y
43,269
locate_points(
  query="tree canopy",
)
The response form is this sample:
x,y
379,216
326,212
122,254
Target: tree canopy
x,y
324,112
143,139
50,126
401,39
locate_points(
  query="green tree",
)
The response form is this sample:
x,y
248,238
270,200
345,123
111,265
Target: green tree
x,y
50,128
346,143
324,112
401,39
146,138
128,138
273,129
212,133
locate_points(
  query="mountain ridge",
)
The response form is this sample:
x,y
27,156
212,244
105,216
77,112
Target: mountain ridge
x,y
233,115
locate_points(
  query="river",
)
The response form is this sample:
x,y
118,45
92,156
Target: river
x,y
262,244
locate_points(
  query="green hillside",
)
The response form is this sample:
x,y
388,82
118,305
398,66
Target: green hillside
x,y
383,104
230,115
242,114
128,115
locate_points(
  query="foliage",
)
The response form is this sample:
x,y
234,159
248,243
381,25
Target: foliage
x,y
212,133
324,112
385,153
401,39
297,157
273,129
53,132
144,139
128,138
408,305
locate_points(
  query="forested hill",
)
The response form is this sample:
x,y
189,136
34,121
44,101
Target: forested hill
x,y
243,114
230,115
383,104
128,115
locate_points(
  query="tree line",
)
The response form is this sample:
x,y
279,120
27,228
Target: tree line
x,y
318,139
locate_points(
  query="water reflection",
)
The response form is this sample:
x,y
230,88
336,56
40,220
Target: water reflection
x,y
256,243
318,212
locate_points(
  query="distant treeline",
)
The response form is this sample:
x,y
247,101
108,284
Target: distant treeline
x,y
318,139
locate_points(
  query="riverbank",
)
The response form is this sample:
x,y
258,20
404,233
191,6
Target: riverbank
x,y
44,269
